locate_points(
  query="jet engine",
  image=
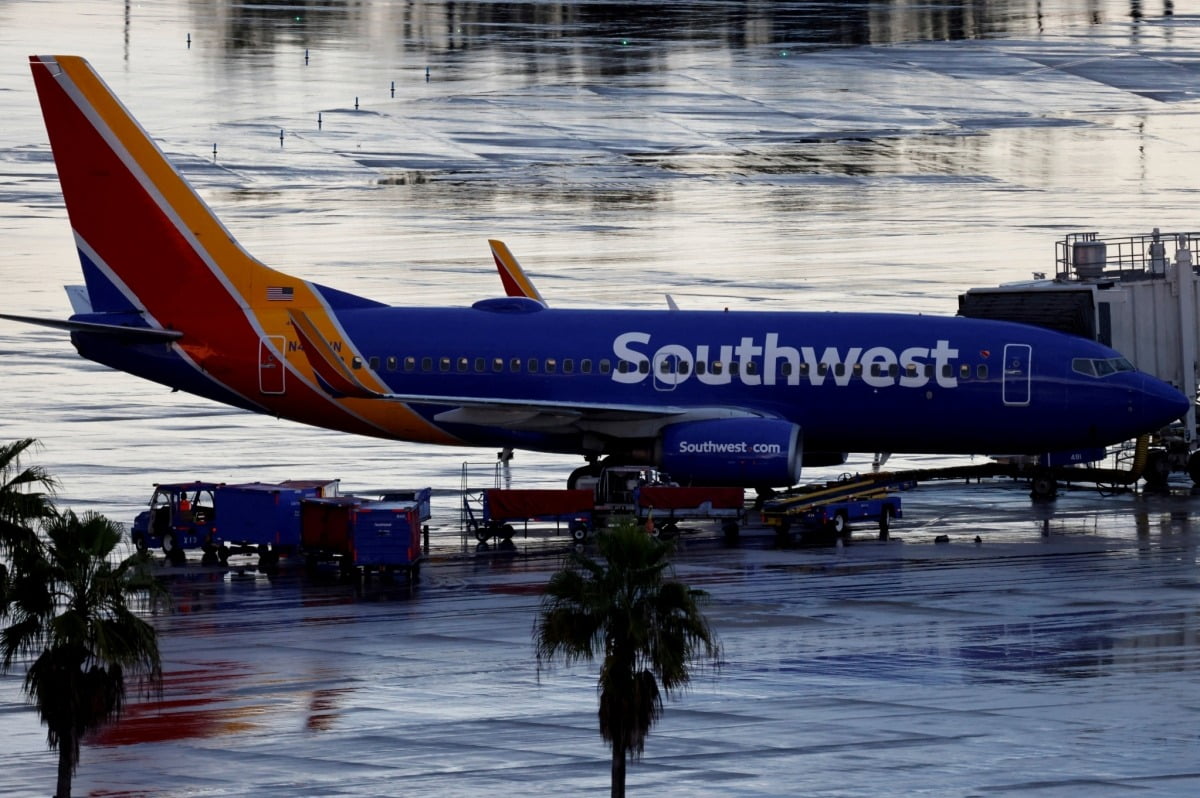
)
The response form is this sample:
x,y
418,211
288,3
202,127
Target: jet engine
x,y
751,452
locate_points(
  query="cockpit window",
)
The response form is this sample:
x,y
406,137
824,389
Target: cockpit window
x,y
1099,366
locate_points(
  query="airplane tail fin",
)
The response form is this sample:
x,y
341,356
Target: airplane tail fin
x,y
147,242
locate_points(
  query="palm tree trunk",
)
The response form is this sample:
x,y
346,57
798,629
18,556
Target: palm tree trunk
x,y
66,767
618,770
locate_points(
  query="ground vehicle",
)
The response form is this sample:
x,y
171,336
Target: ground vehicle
x,y
499,508
180,517
383,536
226,519
828,509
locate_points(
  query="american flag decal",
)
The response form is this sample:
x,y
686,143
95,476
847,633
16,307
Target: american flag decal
x,y
278,293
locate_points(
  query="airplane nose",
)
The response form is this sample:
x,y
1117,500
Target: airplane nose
x,y
1160,402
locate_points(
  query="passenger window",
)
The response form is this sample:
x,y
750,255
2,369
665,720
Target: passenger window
x,y
911,369
644,367
839,370
700,366
410,363
929,370
532,365
444,364
391,363
605,367
716,367
374,361
981,371
947,370
463,363
857,370
664,365
356,363
752,367
585,366
785,368
734,367
498,364
623,366
683,367
822,369
568,366
964,371
426,364
480,365
803,369
551,365
514,365
894,370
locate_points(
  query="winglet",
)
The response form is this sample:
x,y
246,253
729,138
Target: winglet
x,y
516,282
331,372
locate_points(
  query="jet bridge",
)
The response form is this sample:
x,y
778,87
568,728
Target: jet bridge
x,y
1137,294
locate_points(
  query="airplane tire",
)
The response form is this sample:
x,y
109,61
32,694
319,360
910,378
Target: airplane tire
x,y
1193,467
1043,488
1158,469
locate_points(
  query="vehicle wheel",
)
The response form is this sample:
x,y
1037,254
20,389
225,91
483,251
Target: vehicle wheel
x,y
223,554
507,532
171,548
731,532
139,542
1193,467
885,522
839,525
1158,469
579,532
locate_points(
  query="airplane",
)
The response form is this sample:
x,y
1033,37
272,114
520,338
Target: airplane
x,y
739,398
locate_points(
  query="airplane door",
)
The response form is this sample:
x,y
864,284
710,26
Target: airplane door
x,y
270,367
1017,376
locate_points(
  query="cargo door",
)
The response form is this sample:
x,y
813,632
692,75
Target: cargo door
x,y
270,367
1017,376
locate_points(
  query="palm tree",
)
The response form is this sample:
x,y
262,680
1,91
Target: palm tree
x,y
25,498
648,628
69,612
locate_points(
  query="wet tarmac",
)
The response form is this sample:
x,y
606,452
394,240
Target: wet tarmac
x,y
784,155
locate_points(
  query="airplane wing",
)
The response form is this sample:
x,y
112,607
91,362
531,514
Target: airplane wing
x,y
621,420
516,282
